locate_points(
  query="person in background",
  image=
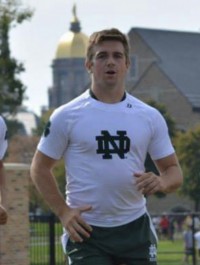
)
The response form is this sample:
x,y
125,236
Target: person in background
x,y
197,239
188,243
172,227
164,225
3,148
104,136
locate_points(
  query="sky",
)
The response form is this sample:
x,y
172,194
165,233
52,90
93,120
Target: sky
x,y
34,42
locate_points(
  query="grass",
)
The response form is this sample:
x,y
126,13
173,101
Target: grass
x,y
172,253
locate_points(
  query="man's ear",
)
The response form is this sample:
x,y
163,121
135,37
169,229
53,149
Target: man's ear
x,y
88,65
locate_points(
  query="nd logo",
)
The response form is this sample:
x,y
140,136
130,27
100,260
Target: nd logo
x,y
113,144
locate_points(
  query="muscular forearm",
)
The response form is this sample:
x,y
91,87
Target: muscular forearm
x,y
168,181
171,179
47,186
71,219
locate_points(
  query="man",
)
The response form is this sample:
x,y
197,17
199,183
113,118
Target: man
x,y
3,147
104,136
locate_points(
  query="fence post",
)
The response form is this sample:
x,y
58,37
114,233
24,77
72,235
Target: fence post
x,y
52,249
193,232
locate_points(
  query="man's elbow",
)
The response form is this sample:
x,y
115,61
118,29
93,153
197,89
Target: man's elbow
x,y
178,181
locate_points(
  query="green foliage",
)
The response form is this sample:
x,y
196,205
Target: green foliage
x,y
169,120
14,128
11,88
188,150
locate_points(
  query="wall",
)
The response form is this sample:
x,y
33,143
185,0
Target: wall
x,y
14,236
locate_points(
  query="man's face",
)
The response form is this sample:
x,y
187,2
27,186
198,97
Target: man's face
x,y
109,65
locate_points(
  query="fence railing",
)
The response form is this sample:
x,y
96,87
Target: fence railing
x,y
46,230
45,244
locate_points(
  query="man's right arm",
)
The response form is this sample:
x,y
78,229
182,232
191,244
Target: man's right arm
x,y
44,180
42,177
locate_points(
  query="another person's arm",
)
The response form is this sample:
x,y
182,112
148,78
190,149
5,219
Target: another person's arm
x,y
43,178
3,212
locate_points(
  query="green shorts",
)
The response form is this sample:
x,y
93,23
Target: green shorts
x,y
134,243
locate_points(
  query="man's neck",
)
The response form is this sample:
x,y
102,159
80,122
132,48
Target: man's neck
x,y
108,97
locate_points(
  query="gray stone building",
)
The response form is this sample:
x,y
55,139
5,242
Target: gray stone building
x,y
166,68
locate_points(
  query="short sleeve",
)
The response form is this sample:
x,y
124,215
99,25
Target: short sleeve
x,y
54,140
160,145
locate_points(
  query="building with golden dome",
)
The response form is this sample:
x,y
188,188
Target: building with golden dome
x,y
70,77
157,71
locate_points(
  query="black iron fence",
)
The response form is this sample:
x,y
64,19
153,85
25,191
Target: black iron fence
x,y
45,243
46,248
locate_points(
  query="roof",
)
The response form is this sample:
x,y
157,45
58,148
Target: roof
x,y
179,58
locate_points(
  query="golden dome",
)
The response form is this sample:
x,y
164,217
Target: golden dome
x,y
72,44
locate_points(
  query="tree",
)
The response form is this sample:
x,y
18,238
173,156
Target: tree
x,y
11,88
188,150
169,120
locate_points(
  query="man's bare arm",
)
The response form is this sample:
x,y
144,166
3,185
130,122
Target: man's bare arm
x,y
3,212
44,180
169,180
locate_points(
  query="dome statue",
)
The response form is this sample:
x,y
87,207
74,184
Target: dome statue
x,y
73,43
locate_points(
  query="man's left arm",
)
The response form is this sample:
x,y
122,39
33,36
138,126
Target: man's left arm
x,y
169,180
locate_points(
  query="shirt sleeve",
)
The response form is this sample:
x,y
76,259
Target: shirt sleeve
x,y
54,140
160,145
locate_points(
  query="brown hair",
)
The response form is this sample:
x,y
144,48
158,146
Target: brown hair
x,y
106,35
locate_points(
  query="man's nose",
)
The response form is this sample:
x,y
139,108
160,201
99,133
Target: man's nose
x,y
111,60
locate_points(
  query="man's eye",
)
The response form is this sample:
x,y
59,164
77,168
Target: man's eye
x,y
101,56
118,55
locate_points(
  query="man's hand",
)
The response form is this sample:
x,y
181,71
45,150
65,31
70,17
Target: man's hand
x,y
73,222
148,183
3,215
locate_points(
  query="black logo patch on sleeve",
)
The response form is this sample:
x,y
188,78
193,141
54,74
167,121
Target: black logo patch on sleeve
x,y
47,129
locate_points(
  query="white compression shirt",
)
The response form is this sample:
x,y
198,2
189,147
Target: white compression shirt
x,y
103,145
